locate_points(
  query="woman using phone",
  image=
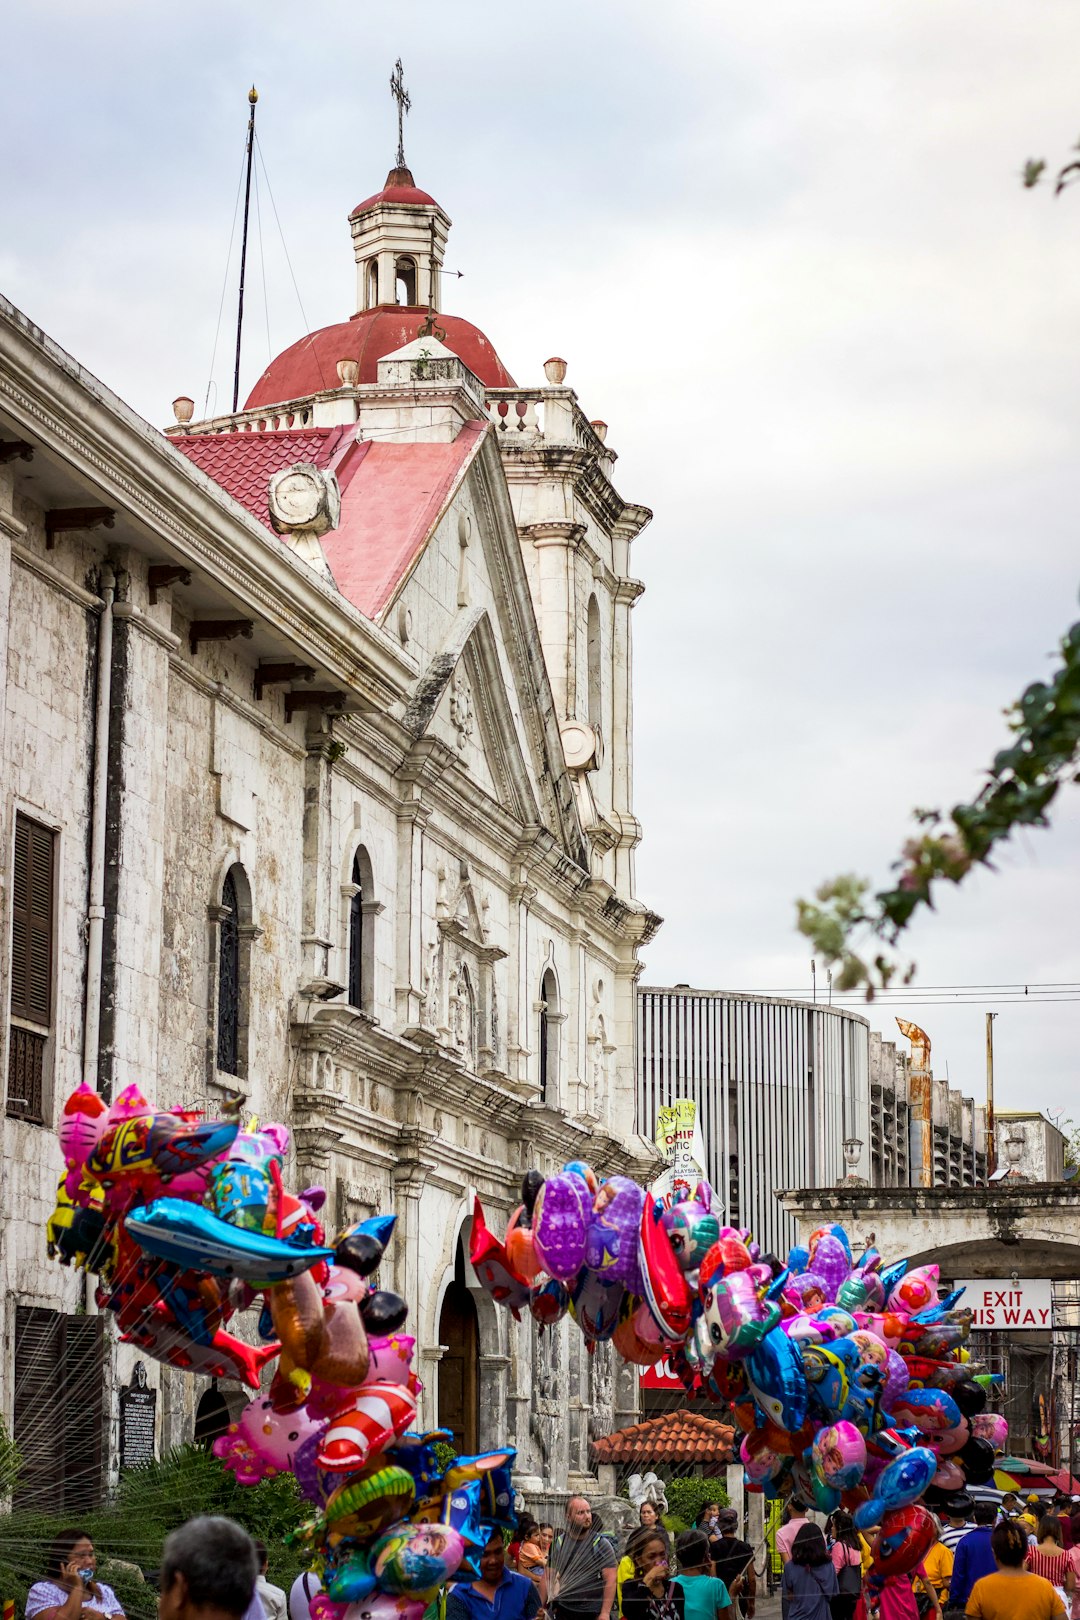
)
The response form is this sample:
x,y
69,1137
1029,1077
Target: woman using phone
x,y
650,1593
70,1590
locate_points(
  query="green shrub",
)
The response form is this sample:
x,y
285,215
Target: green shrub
x,y
687,1497
150,1502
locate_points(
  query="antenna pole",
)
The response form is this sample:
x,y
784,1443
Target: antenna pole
x,y
253,96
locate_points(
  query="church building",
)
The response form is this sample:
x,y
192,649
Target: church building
x,y
317,746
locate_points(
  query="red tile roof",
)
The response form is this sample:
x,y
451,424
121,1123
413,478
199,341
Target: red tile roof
x,y
392,495
391,498
674,1437
242,463
309,366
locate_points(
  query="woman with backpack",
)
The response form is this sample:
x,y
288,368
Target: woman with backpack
x,y
847,1552
809,1581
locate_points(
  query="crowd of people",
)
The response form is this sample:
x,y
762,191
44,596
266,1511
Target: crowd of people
x,y
1009,1561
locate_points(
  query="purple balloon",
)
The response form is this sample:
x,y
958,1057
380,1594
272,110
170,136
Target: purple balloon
x,y
831,1262
896,1379
611,1237
316,1484
559,1219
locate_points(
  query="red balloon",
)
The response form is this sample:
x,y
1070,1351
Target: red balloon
x,y
904,1537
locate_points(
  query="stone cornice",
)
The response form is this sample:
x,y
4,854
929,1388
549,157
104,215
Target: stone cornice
x,y
54,576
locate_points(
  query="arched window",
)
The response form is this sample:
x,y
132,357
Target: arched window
x,y
234,937
372,283
549,1037
405,272
593,648
359,943
228,997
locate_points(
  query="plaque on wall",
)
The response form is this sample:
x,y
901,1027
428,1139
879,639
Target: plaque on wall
x,y
138,1410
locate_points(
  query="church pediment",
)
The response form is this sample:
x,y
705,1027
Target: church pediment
x,y
461,715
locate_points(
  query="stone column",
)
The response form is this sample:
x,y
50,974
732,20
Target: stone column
x,y
319,864
387,277
627,592
554,542
412,818
520,993
428,1372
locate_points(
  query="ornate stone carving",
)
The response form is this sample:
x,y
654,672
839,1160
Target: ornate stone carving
x,y
461,708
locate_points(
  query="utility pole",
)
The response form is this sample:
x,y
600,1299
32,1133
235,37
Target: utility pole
x,y
991,1140
253,96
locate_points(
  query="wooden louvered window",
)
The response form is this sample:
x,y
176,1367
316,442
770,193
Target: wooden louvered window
x,y
32,902
59,1412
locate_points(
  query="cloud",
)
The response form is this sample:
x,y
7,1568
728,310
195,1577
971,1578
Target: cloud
x,y
787,255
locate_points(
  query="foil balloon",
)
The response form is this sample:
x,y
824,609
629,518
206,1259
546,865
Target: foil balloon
x,y
264,1443
81,1123
904,1538
734,1320
416,1558
520,1248
905,1478
692,1229
611,1236
666,1289
559,1223
596,1305
991,1426
549,1301
831,1261
839,1456
492,1266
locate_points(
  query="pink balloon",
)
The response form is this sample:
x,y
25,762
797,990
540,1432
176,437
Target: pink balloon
x,y
264,1442
991,1426
81,1123
391,1358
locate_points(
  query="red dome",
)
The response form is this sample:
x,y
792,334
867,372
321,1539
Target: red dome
x,y
395,194
400,187
310,365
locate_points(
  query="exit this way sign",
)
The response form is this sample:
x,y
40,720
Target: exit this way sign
x,y
998,1302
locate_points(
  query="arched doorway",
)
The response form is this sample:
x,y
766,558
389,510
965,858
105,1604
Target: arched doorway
x,y
212,1417
459,1383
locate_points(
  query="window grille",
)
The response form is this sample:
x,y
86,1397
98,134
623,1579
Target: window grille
x,y
228,1026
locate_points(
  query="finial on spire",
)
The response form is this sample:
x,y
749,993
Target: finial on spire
x,y
401,96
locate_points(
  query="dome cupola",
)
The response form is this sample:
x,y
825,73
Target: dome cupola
x,y
399,240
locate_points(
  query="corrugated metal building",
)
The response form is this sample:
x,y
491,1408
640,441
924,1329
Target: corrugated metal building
x,y
781,1085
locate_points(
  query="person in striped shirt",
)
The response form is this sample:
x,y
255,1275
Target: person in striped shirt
x,y
956,1520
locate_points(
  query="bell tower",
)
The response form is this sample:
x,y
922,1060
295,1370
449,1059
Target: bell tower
x,y
399,235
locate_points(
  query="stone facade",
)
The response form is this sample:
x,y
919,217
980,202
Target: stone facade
x,y
425,870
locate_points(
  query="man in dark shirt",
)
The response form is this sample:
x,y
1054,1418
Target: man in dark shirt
x,y
733,1560
498,1594
974,1556
581,1573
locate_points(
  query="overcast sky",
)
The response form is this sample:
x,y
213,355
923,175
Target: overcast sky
x,y
785,250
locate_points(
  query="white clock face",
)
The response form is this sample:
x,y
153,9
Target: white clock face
x,y
297,497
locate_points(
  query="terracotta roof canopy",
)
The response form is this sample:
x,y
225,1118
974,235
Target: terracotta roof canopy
x,y
682,1437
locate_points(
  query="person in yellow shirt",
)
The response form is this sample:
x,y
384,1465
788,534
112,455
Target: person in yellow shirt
x,y
938,1565
1012,1593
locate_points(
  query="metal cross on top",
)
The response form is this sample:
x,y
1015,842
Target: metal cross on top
x,y
401,96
